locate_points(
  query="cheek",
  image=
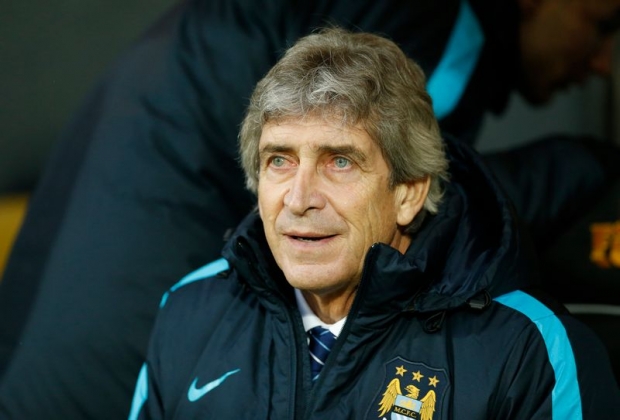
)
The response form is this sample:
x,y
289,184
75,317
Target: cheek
x,y
268,216
379,216
267,204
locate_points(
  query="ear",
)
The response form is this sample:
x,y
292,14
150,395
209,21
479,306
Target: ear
x,y
528,7
410,198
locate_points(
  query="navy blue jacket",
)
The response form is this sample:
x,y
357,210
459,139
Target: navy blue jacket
x,y
446,331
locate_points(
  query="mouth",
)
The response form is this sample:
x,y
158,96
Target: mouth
x,y
310,238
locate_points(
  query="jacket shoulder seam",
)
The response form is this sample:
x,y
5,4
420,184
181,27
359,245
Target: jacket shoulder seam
x,y
205,272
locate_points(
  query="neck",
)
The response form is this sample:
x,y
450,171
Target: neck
x,y
330,308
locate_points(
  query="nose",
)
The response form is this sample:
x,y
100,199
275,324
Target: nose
x,y
304,192
601,62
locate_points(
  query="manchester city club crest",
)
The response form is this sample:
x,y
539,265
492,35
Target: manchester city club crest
x,y
411,391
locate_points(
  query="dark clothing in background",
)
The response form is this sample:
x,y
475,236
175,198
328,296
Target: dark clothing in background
x,y
145,182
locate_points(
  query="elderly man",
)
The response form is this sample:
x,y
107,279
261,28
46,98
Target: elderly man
x,y
366,285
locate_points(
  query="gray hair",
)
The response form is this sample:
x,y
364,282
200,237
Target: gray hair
x,y
359,79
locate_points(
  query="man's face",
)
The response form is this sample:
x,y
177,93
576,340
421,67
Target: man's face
x,y
563,42
324,198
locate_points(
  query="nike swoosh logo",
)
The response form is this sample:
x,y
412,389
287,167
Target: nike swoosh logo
x,y
196,393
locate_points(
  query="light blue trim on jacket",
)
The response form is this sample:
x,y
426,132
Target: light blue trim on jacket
x,y
203,272
451,76
566,399
140,394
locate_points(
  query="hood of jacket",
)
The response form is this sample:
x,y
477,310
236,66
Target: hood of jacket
x,y
462,257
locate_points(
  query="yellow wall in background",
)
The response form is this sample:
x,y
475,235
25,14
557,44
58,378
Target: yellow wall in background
x,y
12,210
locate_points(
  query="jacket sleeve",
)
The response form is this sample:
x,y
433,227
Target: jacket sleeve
x,y
599,391
558,368
146,403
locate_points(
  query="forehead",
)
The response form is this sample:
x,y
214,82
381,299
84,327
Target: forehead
x,y
314,133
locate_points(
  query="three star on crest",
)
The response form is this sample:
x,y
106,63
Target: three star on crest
x,y
417,376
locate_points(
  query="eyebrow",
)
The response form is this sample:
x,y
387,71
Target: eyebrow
x,y
354,152
271,149
274,148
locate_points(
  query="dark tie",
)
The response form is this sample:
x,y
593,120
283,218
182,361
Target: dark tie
x,y
321,343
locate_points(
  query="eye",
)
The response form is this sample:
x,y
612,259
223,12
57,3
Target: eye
x,y
278,161
341,162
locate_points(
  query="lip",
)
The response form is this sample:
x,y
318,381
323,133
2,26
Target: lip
x,y
308,239
309,236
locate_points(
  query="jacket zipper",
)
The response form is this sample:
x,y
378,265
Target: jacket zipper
x,y
298,400
298,366
369,261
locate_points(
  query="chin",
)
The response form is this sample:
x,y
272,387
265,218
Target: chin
x,y
306,279
310,283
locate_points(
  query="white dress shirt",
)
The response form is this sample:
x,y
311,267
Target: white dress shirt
x,y
310,319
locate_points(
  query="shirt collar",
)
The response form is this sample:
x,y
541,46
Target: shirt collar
x,y
310,320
